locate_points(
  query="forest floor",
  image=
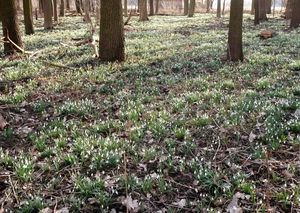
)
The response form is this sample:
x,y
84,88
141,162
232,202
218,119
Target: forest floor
x,y
175,128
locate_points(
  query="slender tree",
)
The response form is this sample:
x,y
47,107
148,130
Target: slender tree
x,y
68,4
112,31
78,6
208,6
143,10
186,7
48,14
235,37
256,12
295,22
62,8
125,8
55,14
157,6
10,27
87,17
28,20
219,9
192,8
224,7
151,7
289,9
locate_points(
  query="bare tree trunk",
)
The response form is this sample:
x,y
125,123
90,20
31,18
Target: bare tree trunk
x,y
219,9
151,7
87,17
262,10
41,7
256,12
269,6
78,7
143,10
235,37
156,6
224,7
186,7
252,8
111,31
27,8
125,8
48,13
62,8
295,22
10,27
207,6
55,10
192,8
289,9
68,4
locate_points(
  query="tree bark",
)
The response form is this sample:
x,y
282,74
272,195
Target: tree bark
x,y
289,9
62,8
186,7
111,31
55,14
87,17
235,37
156,6
151,7
256,12
10,27
208,6
269,6
68,4
192,8
143,10
262,10
295,22
28,20
48,13
125,8
224,5
78,7
219,9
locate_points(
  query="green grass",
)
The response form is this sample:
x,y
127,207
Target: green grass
x,y
178,114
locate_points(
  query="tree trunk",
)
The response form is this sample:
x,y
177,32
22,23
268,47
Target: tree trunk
x,y
295,22
289,9
151,7
55,10
156,6
41,7
143,10
97,12
256,12
125,8
48,13
192,8
78,6
262,10
224,5
27,8
219,9
10,27
235,37
208,6
269,6
87,17
252,7
62,8
68,4
111,31
186,7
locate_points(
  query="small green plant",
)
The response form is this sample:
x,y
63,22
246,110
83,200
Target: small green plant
x,y
23,167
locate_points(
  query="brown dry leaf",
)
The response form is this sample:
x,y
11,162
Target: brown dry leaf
x,y
46,210
3,122
233,206
132,205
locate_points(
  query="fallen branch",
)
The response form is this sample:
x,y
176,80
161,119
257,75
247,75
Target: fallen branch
x,y
58,65
14,44
128,19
